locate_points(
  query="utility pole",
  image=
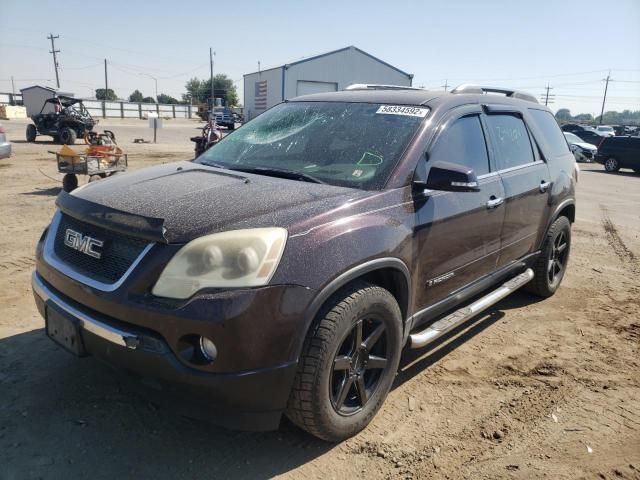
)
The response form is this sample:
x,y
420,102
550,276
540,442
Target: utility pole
x,y
106,79
546,98
13,92
213,100
55,60
604,99
446,85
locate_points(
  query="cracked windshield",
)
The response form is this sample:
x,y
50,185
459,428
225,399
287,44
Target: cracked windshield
x,y
345,144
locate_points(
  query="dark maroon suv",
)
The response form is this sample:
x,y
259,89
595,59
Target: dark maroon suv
x,y
284,270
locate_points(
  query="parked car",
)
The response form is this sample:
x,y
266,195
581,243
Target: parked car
x,y
619,152
5,145
605,130
225,118
583,151
591,136
284,270
574,128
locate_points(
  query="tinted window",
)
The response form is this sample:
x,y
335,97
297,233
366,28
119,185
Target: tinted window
x,y
552,133
512,140
463,143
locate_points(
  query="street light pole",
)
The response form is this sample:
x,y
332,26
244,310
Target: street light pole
x,y
155,81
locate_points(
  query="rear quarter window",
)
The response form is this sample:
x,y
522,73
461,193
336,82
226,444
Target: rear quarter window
x,y
553,136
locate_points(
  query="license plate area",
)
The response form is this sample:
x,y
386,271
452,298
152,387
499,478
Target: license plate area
x,y
64,329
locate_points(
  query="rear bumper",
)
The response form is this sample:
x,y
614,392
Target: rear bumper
x,y
249,400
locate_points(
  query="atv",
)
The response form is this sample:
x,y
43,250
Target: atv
x,y
69,120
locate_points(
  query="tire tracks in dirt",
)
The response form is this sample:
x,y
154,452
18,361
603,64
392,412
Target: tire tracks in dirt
x,y
618,245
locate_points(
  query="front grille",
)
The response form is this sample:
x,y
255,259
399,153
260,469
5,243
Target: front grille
x,y
117,253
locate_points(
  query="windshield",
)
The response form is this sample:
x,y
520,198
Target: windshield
x,y
605,129
346,144
571,138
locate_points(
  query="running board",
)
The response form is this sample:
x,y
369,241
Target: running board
x,y
448,323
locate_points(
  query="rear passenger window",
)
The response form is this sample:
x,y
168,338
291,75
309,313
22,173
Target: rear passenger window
x,y
551,131
463,143
512,141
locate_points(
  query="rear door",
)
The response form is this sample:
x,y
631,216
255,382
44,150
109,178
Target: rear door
x,y
525,178
458,233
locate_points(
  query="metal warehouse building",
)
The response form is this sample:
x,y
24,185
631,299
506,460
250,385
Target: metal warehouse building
x,y
322,73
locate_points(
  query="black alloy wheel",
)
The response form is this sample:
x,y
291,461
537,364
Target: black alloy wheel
x,y
557,258
358,366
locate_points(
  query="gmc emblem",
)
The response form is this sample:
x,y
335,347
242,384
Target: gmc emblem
x,y
83,243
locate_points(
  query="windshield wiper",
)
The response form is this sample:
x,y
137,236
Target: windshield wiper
x,y
280,173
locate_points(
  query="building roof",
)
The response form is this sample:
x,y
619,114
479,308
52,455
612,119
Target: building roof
x,y
39,86
315,57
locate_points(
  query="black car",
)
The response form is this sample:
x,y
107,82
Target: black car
x,y
590,136
574,127
619,152
284,270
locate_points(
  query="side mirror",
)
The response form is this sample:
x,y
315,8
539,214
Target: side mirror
x,y
452,177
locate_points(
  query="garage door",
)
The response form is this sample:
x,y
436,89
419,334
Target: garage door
x,y
306,87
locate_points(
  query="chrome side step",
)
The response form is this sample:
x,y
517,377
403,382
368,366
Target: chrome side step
x,y
448,323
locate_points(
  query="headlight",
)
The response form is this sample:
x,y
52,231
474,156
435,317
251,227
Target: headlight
x,y
239,258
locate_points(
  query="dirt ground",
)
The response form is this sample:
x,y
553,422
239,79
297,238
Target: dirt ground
x,y
533,389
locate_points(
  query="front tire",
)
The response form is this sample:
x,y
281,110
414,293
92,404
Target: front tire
x,y
348,363
552,263
67,136
611,165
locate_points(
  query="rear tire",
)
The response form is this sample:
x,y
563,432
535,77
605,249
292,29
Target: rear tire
x,y
611,165
67,136
348,363
32,132
69,182
95,178
552,262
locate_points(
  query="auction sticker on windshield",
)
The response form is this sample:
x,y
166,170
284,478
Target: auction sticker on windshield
x,y
403,110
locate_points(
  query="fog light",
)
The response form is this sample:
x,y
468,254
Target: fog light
x,y
208,349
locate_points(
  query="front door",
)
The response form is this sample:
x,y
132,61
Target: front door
x,y
458,233
526,183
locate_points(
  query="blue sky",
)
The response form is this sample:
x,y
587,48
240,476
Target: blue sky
x,y
524,44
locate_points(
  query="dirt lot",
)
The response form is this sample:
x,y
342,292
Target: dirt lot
x,y
532,389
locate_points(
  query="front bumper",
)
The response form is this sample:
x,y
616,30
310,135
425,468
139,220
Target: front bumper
x,y
5,150
248,400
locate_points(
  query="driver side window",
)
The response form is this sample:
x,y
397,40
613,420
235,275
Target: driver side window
x,y
463,143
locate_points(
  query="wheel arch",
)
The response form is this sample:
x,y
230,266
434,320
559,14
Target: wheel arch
x,y
389,273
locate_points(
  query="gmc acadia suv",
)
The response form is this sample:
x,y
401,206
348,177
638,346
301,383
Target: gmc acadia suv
x,y
284,270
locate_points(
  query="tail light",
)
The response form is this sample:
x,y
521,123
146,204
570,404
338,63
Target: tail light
x,y
2,129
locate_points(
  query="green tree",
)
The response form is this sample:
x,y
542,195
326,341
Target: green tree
x,y
163,98
148,100
106,94
583,117
136,96
563,115
200,90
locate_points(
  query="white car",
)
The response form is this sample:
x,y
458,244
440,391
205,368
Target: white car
x,y
583,151
605,130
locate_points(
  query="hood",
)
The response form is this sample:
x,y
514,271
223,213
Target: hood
x,y
585,146
182,201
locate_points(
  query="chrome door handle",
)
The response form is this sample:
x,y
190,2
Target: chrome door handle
x,y
495,202
544,186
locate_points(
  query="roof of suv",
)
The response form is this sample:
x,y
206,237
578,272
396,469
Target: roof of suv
x,y
410,97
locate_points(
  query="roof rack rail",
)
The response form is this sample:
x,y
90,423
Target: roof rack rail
x,y
507,92
375,86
